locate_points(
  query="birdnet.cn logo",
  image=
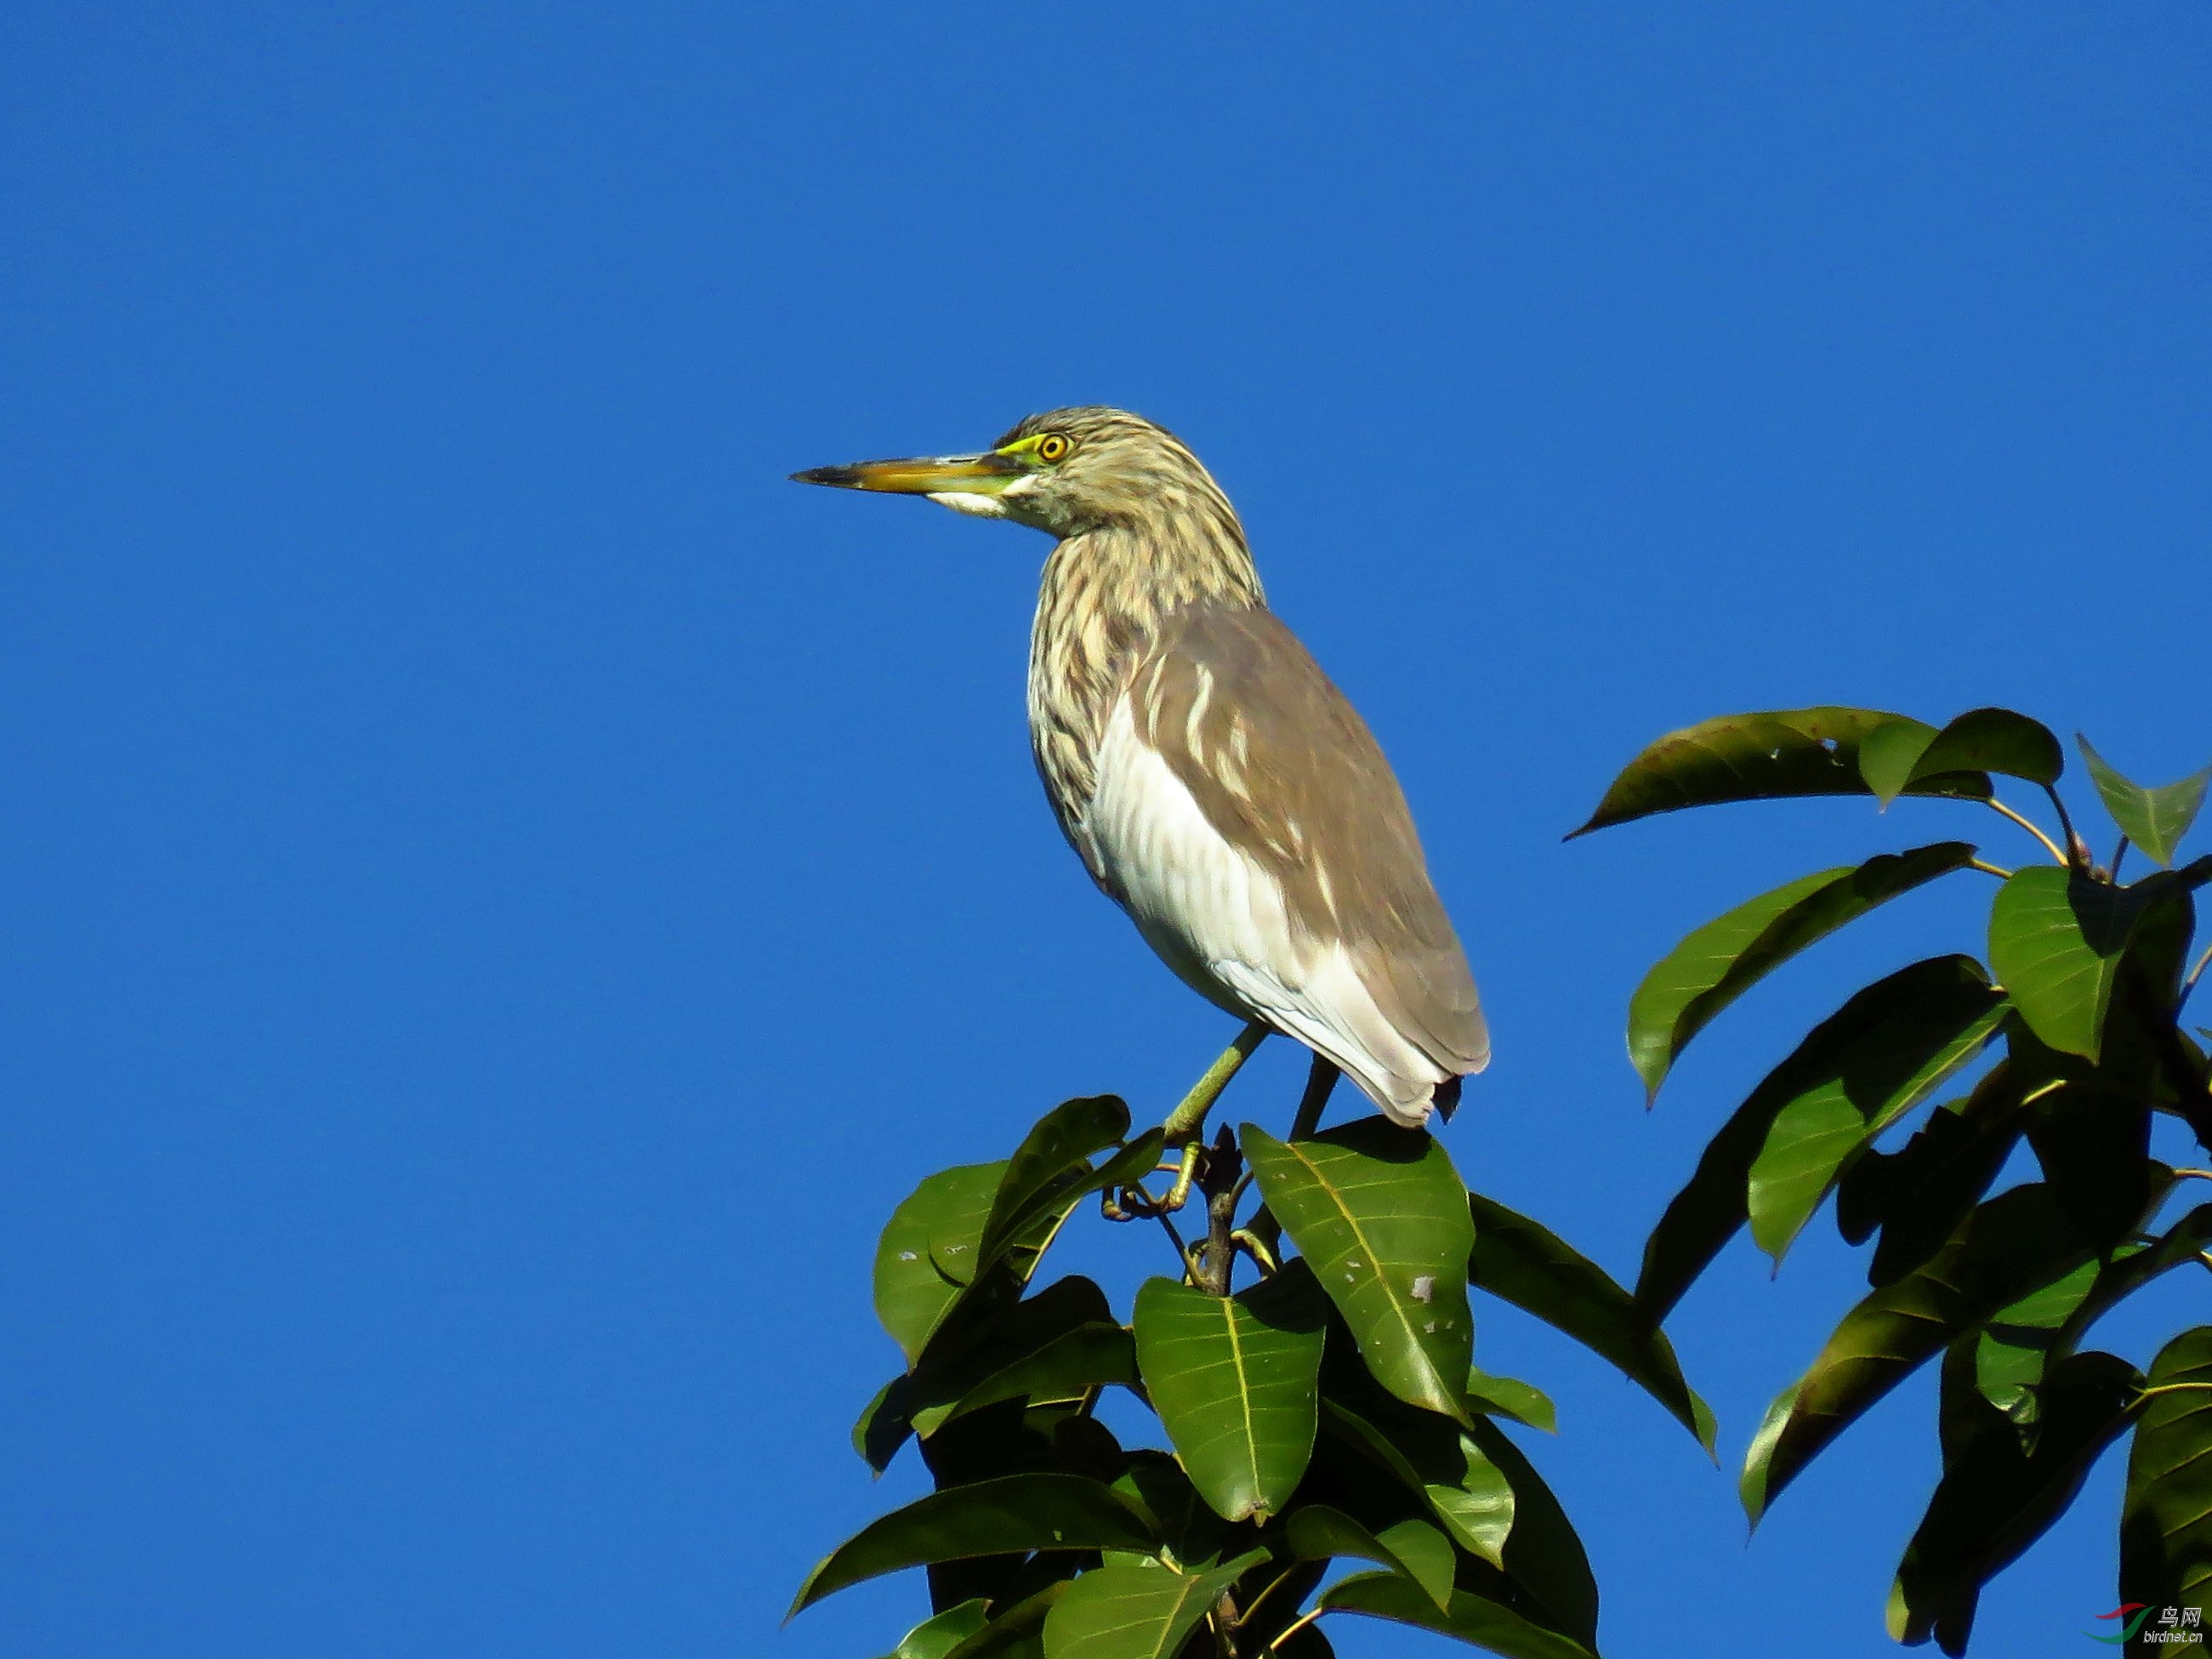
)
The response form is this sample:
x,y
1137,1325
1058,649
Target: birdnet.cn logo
x,y
2174,1624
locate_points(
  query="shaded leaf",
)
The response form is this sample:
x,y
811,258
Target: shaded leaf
x,y
2166,1519
1451,1472
1018,1632
1796,751
1543,1553
1316,1532
1996,1497
2155,820
1013,1513
937,1635
1055,1152
1721,960
1135,1613
1066,1367
2056,938
2019,1240
1927,1026
945,1213
1896,756
1473,1619
2094,1145
1847,1051
1525,1263
1156,1485
1923,1190
1381,1218
1509,1396
1234,1380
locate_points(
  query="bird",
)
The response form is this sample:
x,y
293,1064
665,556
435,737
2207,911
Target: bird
x,y
1217,784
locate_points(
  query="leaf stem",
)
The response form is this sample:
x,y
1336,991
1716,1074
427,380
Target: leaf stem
x,y
2078,853
2195,974
1252,1607
1988,869
1293,1628
2028,824
2172,1388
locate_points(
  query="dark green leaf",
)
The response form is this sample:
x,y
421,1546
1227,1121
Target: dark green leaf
x,y
1053,1153
1543,1554
1996,1497
2166,1521
1154,1484
1508,1396
936,1636
1475,1620
1524,1263
1440,1463
1851,1044
1018,1632
1725,958
945,1213
1796,751
1380,1216
1234,1380
1932,1023
1925,1188
1896,758
2155,820
1415,1548
1064,1367
2019,1240
1013,1513
2094,1144
1135,1613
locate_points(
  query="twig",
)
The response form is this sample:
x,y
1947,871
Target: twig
x,y
2028,824
1321,1079
1988,869
1293,1628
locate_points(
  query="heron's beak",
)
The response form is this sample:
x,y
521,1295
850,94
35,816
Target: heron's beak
x,y
985,475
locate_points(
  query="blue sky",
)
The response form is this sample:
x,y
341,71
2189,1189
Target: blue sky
x,y
507,891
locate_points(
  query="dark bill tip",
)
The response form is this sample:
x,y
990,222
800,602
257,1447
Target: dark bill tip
x,y
837,477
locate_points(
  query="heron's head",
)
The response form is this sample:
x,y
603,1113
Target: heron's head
x,y
1067,471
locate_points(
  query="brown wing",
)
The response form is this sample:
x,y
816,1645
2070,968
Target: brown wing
x,y
1284,768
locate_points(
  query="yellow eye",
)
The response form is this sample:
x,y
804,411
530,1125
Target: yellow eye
x,y
1052,446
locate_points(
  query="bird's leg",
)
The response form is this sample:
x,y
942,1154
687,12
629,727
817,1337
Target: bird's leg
x,y
1185,1125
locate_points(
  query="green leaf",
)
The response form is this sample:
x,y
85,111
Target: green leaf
x,y
1473,1619
2155,820
2166,1519
1844,1051
1721,960
1894,757
1011,1513
1381,1218
1462,1485
1317,1532
1996,1497
2056,941
1018,1632
1929,1026
1136,1613
1795,752
1543,1554
945,1213
2019,1240
1066,1367
1525,1263
1234,1380
1510,1397
1922,1192
1053,1153
935,1637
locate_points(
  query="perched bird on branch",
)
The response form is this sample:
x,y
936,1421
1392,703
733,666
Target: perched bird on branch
x,y
1215,783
